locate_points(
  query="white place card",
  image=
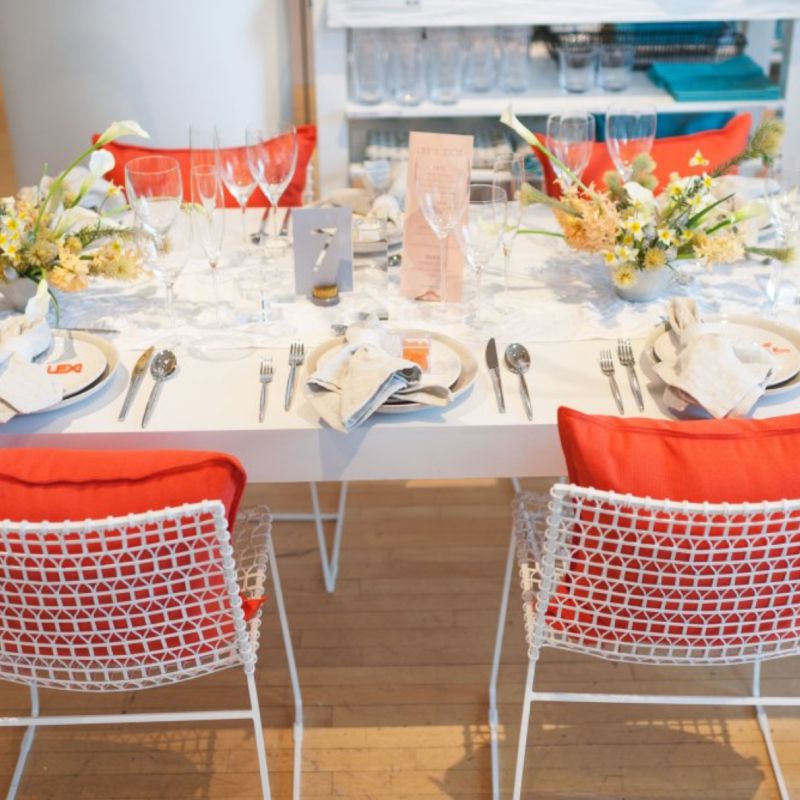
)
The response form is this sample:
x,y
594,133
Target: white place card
x,y
323,248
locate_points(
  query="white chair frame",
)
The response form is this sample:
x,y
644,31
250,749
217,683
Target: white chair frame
x,y
329,559
545,536
201,530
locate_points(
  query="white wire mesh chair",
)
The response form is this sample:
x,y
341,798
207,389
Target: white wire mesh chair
x,y
654,582
134,602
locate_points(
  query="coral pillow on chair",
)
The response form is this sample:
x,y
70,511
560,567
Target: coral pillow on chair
x,y
671,154
293,196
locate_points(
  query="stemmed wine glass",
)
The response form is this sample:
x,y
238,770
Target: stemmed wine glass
x,y
442,190
208,219
630,131
237,177
272,157
480,235
782,193
508,174
155,191
571,135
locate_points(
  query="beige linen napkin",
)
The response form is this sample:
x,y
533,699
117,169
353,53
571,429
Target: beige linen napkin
x,y
26,387
725,378
351,385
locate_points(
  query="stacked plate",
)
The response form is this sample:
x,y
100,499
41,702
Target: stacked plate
x,y
81,362
450,363
781,341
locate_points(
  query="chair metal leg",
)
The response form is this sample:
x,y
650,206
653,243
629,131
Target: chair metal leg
x,y
519,771
25,746
498,648
330,564
766,733
297,732
259,734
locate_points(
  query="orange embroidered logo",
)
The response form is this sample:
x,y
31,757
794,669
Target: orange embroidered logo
x,y
63,369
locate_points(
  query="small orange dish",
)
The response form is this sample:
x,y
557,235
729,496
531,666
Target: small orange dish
x,y
418,350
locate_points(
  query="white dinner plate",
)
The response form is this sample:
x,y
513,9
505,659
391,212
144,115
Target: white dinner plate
x,y
764,330
467,366
72,361
111,358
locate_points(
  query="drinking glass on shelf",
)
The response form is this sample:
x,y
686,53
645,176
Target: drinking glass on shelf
x,y
508,174
571,135
480,237
616,66
577,67
407,66
512,68
443,57
272,156
442,191
368,48
235,173
479,59
630,131
155,191
208,219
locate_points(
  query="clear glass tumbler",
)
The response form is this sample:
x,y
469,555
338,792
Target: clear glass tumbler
x,y
513,63
407,66
368,50
577,67
443,59
616,67
479,59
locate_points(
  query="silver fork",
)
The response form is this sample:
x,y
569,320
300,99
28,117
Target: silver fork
x,y
626,358
297,354
607,365
265,374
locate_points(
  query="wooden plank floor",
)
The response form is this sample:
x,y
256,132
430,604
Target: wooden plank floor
x,y
394,669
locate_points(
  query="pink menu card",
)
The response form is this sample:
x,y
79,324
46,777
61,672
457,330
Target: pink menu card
x,y
441,160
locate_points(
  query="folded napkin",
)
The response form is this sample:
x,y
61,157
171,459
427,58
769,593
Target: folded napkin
x,y
26,387
348,387
723,377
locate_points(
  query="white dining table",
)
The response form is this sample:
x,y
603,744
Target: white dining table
x,y
561,306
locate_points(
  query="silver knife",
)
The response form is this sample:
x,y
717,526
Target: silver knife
x,y
494,370
139,369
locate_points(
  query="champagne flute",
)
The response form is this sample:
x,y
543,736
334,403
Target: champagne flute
x,y
237,177
203,149
508,174
208,218
272,157
630,131
155,191
571,135
480,235
442,191
782,193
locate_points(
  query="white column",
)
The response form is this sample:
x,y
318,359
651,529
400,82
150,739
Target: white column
x,y
69,68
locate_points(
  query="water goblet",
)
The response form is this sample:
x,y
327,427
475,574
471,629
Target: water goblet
x,y
571,135
155,191
630,131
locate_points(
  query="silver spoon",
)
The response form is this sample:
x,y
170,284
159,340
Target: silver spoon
x,y
163,366
518,360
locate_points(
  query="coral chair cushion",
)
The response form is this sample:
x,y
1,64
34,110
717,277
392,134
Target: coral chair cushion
x,y
671,154
675,580
293,196
57,485
718,461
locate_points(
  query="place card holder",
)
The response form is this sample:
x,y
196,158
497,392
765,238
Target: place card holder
x,y
323,249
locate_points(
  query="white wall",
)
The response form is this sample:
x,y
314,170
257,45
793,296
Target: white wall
x,y
69,67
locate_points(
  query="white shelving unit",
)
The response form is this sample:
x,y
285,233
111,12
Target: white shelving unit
x,y
336,112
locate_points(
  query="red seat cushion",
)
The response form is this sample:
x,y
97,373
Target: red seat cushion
x,y
293,196
663,580
671,154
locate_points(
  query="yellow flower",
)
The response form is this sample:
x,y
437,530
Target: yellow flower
x,y
624,275
698,160
696,201
595,230
609,258
12,224
628,240
114,260
113,190
675,191
687,234
708,181
655,258
664,236
623,253
3,239
635,225
722,248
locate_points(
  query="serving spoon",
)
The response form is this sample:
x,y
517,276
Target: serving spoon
x,y
519,360
163,366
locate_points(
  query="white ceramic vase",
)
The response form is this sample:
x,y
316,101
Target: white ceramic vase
x,y
18,292
650,284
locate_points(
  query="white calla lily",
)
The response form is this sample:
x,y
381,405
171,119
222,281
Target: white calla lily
x,y
509,118
101,162
125,127
640,195
37,307
75,219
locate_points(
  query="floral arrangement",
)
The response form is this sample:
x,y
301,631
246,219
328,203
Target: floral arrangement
x,y
67,228
634,230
